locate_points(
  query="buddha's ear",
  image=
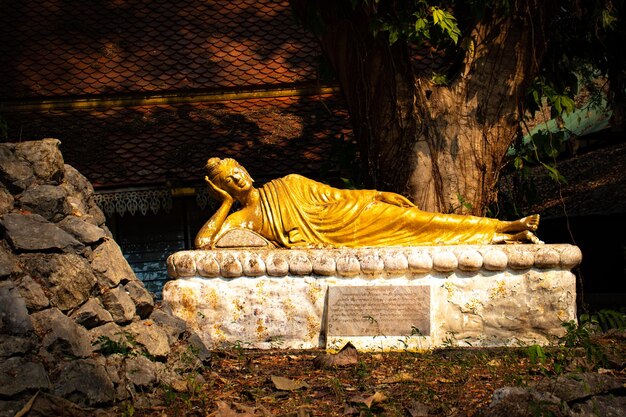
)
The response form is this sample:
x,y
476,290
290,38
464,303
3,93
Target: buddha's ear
x,y
246,171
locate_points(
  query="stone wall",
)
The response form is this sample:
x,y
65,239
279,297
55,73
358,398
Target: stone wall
x,y
76,324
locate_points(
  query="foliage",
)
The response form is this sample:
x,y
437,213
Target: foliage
x,y
123,345
578,337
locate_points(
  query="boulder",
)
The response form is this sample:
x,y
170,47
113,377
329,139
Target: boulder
x,y
60,335
107,259
31,232
109,331
119,304
172,325
141,372
151,337
91,314
84,382
18,375
83,231
15,345
144,303
81,197
32,293
44,157
8,262
16,174
6,200
67,278
14,318
49,201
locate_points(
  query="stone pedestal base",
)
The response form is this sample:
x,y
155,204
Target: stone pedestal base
x,y
468,296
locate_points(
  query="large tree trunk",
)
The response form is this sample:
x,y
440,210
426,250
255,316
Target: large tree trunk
x,y
443,147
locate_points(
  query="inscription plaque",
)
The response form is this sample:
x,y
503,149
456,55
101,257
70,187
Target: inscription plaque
x,y
378,311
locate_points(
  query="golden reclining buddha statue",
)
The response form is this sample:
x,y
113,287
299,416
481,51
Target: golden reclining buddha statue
x,y
297,212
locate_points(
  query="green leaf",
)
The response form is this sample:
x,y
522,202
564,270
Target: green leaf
x,y
393,35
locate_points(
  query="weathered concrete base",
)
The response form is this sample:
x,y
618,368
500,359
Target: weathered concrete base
x,y
473,308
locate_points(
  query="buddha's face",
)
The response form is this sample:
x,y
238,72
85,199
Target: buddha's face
x,y
234,179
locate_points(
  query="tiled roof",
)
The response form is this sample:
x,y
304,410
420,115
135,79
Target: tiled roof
x,y
169,144
60,47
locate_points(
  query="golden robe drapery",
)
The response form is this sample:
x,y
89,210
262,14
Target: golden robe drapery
x,y
298,211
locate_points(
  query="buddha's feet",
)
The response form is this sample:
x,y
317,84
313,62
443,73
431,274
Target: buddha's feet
x,y
530,222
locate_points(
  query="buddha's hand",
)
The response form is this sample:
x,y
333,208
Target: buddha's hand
x,y
394,199
216,192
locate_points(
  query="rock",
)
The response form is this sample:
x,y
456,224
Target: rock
x,y
15,345
31,232
32,293
572,387
324,265
61,335
44,157
116,370
18,375
14,318
67,278
6,200
81,197
151,337
15,173
172,325
141,371
84,382
600,405
144,303
522,402
109,331
113,267
46,405
83,231
8,262
91,314
49,201
199,348
119,304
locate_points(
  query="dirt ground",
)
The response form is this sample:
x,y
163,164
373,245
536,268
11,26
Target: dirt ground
x,y
447,382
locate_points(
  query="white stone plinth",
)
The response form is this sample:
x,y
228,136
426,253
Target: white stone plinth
x,y
479,295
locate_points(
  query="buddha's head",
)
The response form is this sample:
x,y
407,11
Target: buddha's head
x,y
230,176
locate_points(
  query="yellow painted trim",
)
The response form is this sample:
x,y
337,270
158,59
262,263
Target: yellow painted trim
x,y
183,192
133,100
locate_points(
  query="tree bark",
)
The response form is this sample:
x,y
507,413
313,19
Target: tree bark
x,y
441,146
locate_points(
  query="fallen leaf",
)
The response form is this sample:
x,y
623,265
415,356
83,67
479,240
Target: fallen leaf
x,y
286,384
348,355
401,377
26,409
376,398
494,362
224,410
